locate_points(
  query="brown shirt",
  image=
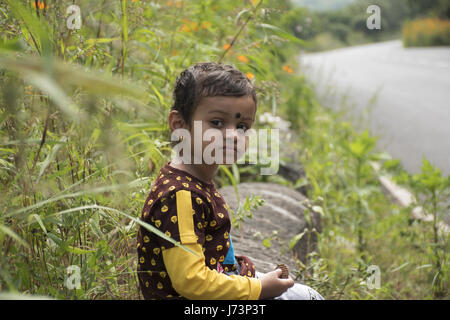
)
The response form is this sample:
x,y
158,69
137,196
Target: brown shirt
x,y
211,223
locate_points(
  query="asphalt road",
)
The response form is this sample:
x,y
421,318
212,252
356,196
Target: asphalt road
x,y
401,95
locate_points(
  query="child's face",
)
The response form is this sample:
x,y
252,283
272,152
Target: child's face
x,y
227,115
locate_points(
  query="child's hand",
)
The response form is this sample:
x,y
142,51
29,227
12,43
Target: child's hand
x,y
272,285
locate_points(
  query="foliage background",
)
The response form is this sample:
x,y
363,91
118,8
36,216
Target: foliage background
x,y
83,134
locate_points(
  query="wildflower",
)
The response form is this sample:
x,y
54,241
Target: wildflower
x,y
40,4
243,59
288,69
185,28
194,26
205,25
250,75
171,3
226,46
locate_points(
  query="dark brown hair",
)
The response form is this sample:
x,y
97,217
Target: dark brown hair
x,y
208,79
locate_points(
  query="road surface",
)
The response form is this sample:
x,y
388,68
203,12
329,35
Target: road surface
x,y
401,95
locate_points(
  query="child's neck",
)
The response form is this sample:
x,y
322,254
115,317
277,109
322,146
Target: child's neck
x,y
204,172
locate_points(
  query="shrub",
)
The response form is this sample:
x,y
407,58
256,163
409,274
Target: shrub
x,y
426,32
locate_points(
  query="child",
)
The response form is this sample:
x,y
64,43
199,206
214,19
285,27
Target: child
x,y
184,204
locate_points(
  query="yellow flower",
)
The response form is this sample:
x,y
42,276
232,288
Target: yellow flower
x,y
185,28
249,75
205,24
288,69
243,59
226,46
40,4
194,25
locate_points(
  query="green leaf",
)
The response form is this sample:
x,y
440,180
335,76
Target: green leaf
x,y
76,250
12,234
266,242
50,157
283,34
295,239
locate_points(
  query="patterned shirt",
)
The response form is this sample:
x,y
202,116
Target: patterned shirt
x,y
173,191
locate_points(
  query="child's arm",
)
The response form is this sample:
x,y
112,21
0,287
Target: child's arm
x,y
192,279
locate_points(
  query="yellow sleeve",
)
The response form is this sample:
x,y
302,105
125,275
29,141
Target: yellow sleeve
x,y
192,279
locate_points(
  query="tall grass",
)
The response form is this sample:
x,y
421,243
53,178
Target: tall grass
x,y
83,126
83,134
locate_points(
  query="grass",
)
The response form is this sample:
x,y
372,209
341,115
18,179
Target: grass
x,y
83,134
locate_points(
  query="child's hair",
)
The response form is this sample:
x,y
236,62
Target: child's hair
x,y
208,79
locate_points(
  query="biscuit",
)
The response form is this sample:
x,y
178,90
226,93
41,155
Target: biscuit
x,y
285,271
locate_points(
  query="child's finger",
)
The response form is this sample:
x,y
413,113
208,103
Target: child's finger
x,y
289,282
278,272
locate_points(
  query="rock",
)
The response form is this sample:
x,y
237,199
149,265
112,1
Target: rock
x,y
281,217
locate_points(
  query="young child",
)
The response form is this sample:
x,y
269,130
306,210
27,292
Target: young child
x,y
184,204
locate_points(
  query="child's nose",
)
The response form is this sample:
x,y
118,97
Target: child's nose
x,y
232,134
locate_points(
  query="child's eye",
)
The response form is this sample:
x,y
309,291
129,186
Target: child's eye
x,y
243,126
216,122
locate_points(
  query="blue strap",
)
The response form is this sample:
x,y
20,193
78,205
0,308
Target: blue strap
x,y
229,259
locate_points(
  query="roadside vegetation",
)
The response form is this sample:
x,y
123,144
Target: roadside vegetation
x,y
83,134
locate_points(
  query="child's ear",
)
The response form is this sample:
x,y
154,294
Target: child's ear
x,y
176,120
